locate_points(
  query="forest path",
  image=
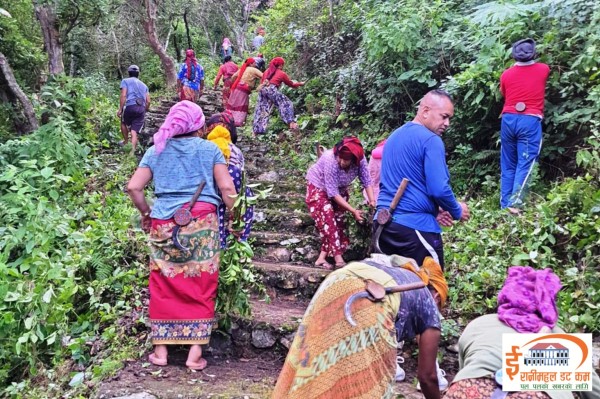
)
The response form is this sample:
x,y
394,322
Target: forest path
x,y
245,361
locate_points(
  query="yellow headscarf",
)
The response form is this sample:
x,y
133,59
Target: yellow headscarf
x,y
431,274
221,137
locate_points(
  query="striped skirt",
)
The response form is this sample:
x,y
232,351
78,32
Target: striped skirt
x,y
331,359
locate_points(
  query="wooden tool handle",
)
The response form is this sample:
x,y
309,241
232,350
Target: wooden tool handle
x,y
197,194
399,194
405,287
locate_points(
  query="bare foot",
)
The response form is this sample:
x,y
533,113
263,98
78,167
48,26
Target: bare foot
x,y
293,126
159,356
324,264
195,360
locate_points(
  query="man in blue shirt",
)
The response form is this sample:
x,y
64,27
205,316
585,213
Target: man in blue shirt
x,y
416,151
133,104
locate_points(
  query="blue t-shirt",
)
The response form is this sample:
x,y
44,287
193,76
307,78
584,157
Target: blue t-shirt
x,y
415,152
196,76
257,42
178,171
135,89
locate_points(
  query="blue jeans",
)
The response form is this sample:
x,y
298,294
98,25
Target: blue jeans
x,y
521,139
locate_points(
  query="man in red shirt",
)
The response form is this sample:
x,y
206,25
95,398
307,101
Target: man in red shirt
x,y
523,86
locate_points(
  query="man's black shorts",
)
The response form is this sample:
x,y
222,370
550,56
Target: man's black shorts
x,y
133,116
397,239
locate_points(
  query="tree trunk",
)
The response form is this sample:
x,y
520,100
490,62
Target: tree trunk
x,y
187,30
118,55
237,23
167,62
50,31
32,123
73,63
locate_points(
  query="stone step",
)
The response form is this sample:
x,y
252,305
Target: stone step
x,y
296,222
285,247
288,280
270,330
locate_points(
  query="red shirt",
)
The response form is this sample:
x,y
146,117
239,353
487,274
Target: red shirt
x,y
280,77
526,84
226,70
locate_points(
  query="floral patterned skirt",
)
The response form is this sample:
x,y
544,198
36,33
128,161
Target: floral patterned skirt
x,y
329,220
482,388
183,284
187,93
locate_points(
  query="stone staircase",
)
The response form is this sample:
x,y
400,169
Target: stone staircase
x,y
283,237
244,362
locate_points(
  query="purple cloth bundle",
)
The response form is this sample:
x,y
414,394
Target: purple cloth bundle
x,y
527,301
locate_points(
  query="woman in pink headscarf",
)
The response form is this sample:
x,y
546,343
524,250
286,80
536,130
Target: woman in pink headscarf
x,y
183,268
269,96
226,48
244,80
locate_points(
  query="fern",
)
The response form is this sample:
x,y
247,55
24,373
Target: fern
x,y
102,270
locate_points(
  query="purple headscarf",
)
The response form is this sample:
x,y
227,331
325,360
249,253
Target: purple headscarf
x,y
184,117
527,301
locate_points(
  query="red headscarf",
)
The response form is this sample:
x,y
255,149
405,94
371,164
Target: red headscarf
x,y
249,61
350,148
273,65
190,59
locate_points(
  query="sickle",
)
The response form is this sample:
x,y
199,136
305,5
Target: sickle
x,y
371,287
175,236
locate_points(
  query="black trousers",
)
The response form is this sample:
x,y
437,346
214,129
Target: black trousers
x,y
396,239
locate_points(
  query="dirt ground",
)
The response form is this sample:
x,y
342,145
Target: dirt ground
x,y
228,378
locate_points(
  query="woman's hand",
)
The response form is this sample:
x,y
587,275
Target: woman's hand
x,y
146,223
357,215
236,233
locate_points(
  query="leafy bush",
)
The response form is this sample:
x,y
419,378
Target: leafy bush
x,y
65,250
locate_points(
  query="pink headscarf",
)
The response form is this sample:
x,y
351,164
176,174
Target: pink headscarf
x,y
527,301
184,117
226,43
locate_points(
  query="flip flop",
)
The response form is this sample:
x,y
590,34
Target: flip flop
x,y
200,365
156,360
324,265
514,211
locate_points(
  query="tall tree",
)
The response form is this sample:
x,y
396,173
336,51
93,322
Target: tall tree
x,y
14,89
46,14
149,23
58,18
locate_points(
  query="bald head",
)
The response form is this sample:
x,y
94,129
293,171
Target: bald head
x,y
435,111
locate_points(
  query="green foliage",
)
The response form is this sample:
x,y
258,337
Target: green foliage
x,y
65,251
21,42
237,278
561,232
